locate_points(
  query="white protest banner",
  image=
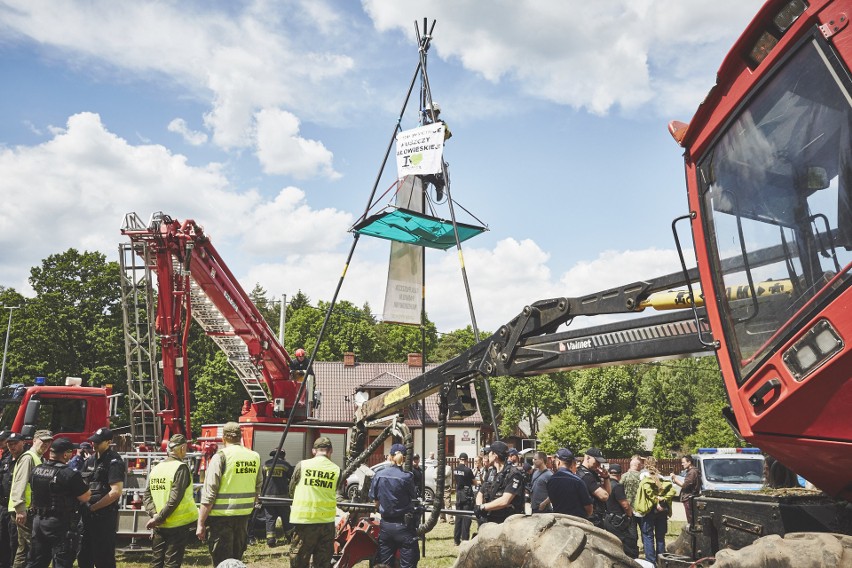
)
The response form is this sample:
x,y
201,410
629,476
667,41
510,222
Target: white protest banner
x,y
420,151
403,294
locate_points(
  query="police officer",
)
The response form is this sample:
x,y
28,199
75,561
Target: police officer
x,y
313,488
487,473
79,459
503,492
7,463
20,494
278,472
169,501
57,491
105,472
463,477
417,472
231,486
596,478
566,492
619,513
395,495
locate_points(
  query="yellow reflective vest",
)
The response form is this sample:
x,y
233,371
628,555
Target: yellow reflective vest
x,y
28,492
160,482
315,494
237,489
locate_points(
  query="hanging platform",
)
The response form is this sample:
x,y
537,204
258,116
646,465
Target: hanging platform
x,y
405,226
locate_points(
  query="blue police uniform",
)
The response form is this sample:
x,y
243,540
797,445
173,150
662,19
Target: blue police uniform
x,y
395,492
568,493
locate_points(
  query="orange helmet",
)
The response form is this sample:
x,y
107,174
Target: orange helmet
x,y
300,353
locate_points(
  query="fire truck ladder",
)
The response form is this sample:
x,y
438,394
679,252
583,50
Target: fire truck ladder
x,y
221,332
140,341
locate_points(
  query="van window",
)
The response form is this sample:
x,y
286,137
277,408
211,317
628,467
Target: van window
x,y
733,470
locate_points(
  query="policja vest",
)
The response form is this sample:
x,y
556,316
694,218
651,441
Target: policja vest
x,y
160,485
315,497
238,487
96,473
28,491
6,468
46,498
496,488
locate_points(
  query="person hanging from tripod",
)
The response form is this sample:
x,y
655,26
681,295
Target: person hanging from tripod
x,y
431,115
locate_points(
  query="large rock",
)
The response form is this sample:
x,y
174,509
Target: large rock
x,y
795,550
542,541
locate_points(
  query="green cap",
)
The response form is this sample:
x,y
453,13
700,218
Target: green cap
x,y
231,429
176,440
322,442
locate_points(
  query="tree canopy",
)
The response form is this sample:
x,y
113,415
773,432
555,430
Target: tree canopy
x,y
72,326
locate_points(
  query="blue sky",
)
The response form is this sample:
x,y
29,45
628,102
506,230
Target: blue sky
x,y
266,122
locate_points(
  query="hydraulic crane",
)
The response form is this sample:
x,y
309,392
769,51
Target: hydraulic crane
x,y
194,282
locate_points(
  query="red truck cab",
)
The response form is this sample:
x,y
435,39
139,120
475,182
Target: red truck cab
x,y
72,411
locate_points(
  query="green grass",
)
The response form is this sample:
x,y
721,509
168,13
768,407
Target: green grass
x,y
440,551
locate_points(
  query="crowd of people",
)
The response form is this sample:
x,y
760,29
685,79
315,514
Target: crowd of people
x,y
626,504
61,499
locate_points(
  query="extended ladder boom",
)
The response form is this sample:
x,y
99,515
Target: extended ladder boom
x,y
194,281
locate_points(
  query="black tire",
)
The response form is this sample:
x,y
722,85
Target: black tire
x,y
795,550
542,541
429,495
352,492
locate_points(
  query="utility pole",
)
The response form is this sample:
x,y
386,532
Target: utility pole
x,y
6,348
282,319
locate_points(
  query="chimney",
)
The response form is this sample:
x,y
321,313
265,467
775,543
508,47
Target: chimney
x,y
415,360
349,359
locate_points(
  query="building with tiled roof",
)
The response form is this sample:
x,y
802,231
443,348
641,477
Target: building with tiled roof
x,y
338,382
335,385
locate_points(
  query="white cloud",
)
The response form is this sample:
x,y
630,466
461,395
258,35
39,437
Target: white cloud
x,y
243,58
592,55
74,190
281,150
287,225
192,137
615,268
503,280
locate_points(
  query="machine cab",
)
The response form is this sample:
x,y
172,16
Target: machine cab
x,y
769,173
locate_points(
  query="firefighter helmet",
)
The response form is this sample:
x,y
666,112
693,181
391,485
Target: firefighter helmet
x,y
300,352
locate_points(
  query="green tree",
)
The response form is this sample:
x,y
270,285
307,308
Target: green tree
x,y
564,431
529,399
397,341
454,343
217,393
297,302
74,322
18,335
268,308
601,407
670,394
713,430
349,329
